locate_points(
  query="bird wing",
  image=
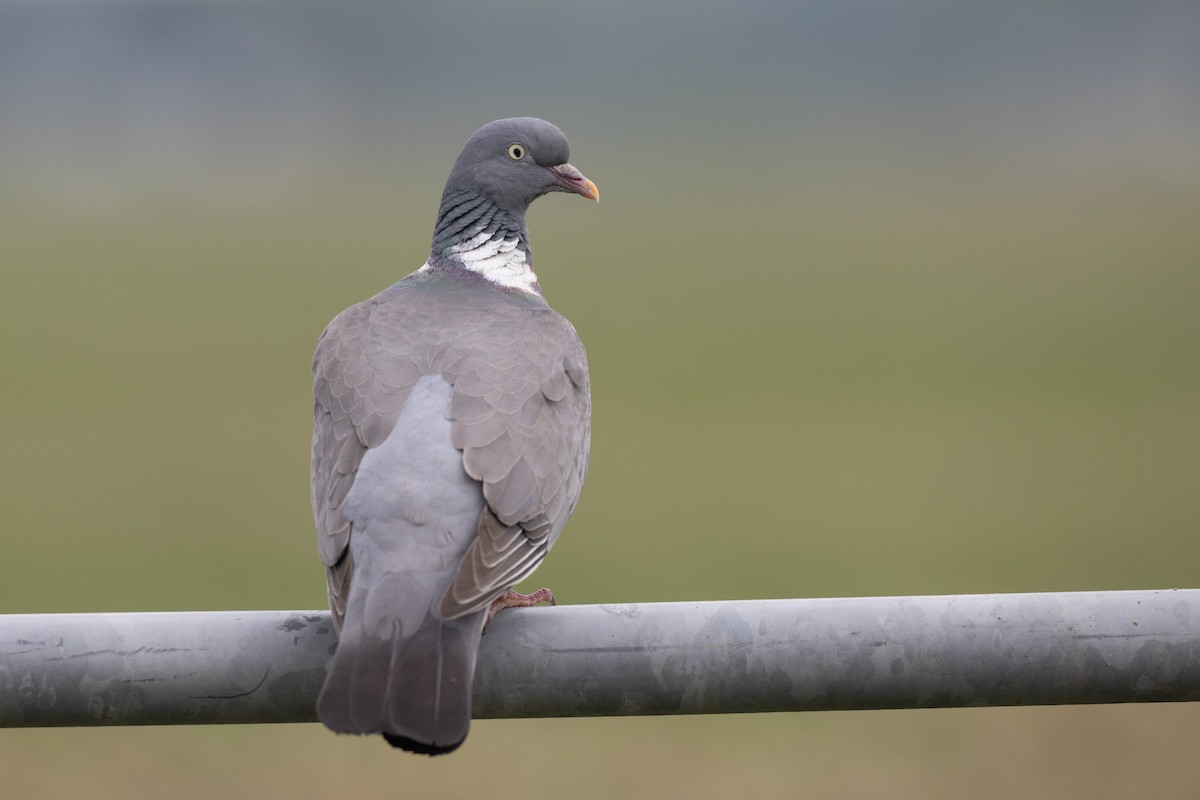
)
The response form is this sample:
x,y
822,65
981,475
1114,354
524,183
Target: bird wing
x,y
359,387
520,413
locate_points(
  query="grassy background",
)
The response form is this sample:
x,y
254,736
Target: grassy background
x,y
832,354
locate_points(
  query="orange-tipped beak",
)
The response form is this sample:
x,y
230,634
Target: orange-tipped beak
x,y
572,180
589,190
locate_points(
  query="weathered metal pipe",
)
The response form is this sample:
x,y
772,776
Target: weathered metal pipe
x,y
647,658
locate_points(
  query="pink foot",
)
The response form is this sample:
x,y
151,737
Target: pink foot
x,y
511,599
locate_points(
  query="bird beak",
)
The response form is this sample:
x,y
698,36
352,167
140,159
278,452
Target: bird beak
x,y
572,180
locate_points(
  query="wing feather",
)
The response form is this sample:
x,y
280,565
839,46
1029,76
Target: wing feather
x,y
532,470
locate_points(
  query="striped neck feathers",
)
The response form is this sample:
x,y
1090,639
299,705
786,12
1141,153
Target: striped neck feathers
x,y
486,240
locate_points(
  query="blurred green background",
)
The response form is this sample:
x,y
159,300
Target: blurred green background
x,y
882,298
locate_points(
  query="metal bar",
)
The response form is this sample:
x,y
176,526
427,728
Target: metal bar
x,y
649,658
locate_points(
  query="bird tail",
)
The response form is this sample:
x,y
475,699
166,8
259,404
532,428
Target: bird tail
x,y
414,688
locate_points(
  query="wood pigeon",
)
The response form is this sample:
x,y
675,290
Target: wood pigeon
x,y
450,441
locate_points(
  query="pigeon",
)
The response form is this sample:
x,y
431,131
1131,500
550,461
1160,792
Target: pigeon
x,y
451,430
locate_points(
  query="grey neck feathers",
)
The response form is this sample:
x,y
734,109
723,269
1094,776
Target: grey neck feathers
x,y
466,217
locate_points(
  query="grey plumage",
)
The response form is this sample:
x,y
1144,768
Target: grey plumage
x,y
450,442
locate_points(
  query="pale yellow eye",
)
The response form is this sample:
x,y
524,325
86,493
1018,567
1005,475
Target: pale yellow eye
x,y
516,151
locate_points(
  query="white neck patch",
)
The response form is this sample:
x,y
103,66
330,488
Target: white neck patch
x,y
499,260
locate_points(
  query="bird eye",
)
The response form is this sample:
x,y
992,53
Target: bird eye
x,y
516,151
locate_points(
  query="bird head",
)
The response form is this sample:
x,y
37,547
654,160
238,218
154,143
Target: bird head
x,y
512,162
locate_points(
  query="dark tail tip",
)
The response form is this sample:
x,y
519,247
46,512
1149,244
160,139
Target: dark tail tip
x,y
421,748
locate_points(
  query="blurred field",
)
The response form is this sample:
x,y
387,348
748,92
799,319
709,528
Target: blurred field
x,y
944,401
1041,754
821,367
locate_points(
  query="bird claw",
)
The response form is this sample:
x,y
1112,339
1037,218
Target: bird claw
x,y
511,599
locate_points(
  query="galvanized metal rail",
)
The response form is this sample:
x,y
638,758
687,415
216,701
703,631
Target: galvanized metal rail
x,y
644,658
